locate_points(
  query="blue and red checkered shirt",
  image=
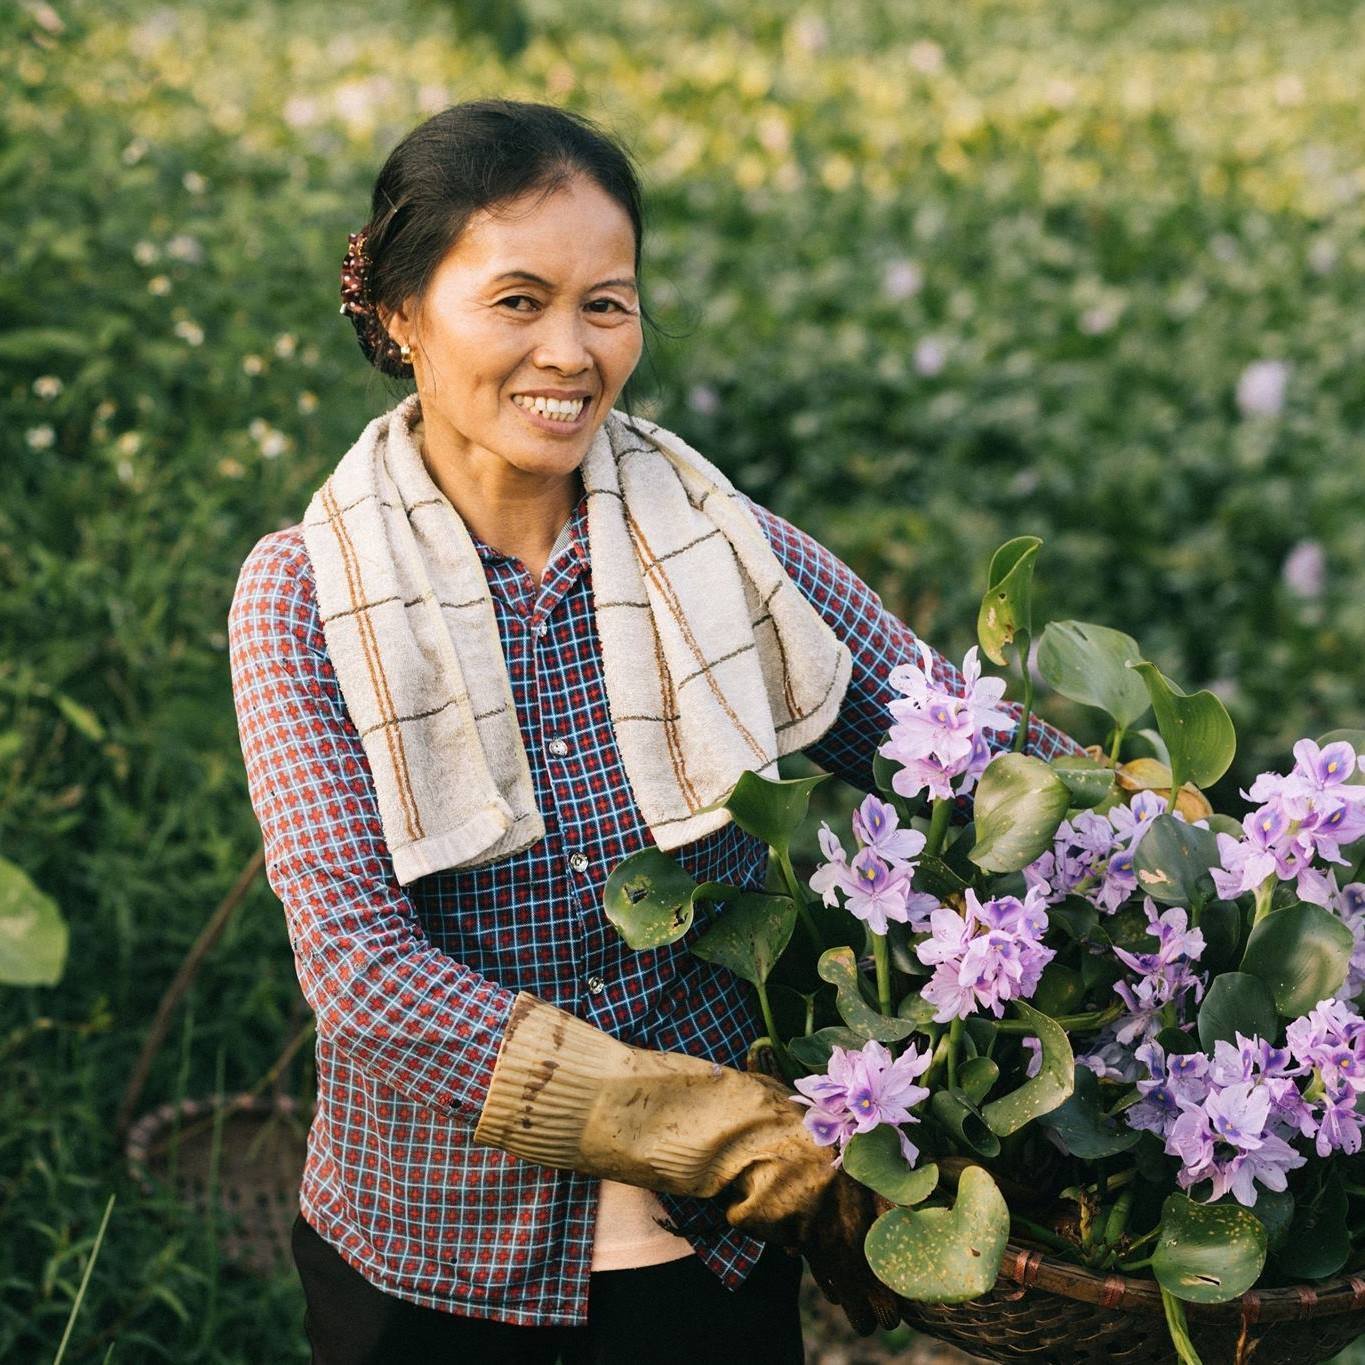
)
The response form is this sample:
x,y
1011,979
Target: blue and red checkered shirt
x,y
412,986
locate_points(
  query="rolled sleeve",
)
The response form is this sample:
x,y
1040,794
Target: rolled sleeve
x,y
406,1013
878,641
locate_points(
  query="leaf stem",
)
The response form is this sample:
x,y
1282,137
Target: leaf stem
x,y
1264,894
1042,1234
1070,1022
85,1281
1021,650
938,825
882,956
1180,1333
799,897
1119,732
954,1043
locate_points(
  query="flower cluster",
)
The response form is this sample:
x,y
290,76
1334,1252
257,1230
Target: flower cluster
x,y
992,953
1231,1118
1092,855
860,1090
937,736
876,882
1306,813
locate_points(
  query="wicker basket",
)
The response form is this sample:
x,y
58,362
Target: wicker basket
x,y
1043,1309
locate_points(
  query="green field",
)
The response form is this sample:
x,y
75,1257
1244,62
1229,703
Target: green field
x,y
931,277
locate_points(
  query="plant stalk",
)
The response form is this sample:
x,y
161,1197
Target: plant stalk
x,y
881,954
938,825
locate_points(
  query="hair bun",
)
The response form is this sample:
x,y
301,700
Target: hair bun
x,y
379,347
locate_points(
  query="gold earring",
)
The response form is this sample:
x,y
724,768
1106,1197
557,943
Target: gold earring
x,y
405,351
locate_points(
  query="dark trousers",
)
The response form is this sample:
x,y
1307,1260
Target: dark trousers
x,y
651,1315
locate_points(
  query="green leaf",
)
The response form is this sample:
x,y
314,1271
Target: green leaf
x,y
976,1076
1060,989
1172,861
839,967
1088,781
82,718
876,1161
943,1255
1236,1003
648,897
1088,663
813,1049
960,1117
1274,1209
1080,1124
1196,727
1302,953
1006,606
33,934
750,936
1318,1241
1221,924
1051,1087
1208,1253
770,809
1019,802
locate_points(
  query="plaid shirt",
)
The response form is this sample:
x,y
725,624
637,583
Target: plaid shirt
x,y
412,986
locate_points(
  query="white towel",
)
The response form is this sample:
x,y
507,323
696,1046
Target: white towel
x,y
714,661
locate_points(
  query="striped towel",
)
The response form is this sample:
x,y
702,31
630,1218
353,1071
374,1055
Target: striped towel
x,y
715,663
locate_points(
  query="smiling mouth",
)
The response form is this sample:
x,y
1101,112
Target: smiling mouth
x,y
554,409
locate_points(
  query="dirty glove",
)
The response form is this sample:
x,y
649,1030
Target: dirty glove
x,y
564,1093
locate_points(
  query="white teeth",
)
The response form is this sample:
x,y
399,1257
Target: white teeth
x,y
557,409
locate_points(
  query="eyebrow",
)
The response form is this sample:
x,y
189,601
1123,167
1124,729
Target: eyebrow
x,y
628,281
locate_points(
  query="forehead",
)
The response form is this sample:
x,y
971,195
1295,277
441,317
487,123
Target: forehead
x,y
575,230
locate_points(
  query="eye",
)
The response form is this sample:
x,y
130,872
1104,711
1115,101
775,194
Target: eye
x,y
620,307
512,298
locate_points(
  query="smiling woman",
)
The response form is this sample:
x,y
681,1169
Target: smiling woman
x,y
519,635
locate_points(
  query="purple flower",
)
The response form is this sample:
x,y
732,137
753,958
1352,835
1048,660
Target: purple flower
x,y
875,891
991,953
860,1090
875,826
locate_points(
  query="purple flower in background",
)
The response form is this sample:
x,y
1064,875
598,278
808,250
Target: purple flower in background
x,y
1349,904
1304,571
1164,976
992,953
860,1090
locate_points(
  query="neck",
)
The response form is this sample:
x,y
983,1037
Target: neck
x,y
518,514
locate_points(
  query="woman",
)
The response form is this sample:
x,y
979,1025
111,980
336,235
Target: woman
x,y
523,1144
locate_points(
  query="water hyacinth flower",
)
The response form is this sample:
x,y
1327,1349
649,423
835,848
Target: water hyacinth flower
x,y
860,1090
937,736
876,883
992,953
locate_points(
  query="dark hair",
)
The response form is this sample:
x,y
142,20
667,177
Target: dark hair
x,y
472,156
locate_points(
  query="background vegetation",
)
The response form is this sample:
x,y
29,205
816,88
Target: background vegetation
x,y
934,276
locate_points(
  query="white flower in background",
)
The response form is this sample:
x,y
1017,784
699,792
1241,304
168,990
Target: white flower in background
x,y
159,284
271,441
703,398
194,182
146,253
1224,246
40,437
106,410
308,401
134,151
1305,569
930,357
285,345
47,386
300,111
183,247
129,443
1260,390
1322,256
926,56
810,33
252,364
188,330
1099,319
902,279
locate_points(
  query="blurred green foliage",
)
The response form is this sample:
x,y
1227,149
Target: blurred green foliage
x,y
934,277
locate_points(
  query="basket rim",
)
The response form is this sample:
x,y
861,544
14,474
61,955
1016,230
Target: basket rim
x,y
1032,1268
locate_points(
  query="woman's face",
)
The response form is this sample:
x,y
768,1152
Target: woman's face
x,y
488,334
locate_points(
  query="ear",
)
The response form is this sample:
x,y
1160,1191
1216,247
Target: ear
x,y
396,322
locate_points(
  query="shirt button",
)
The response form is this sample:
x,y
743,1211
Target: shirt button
x,y
540,627
596,985
578,861
558,748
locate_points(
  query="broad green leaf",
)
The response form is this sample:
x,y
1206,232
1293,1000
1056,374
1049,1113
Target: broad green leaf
x,y
976,1076
1207,1253
943,1255
750,936
1172,861
1274,1210
875,1159
1006,608
1051,1087
769,809
814,1049
960,1117
1076,916
33,934
1221,924
1088,781
1080,1127
1088,664
917,1009
648,897
1237,1002
1060,989
1019,802
839,967
1196,726
1302,953
1318,1241
934,877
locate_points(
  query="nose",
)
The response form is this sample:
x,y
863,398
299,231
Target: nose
x,y
560,342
